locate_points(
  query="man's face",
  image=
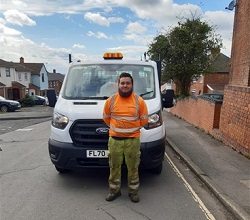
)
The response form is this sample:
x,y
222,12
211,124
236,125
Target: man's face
x,y
125,87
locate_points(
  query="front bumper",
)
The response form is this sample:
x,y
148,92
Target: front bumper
x,y
69,156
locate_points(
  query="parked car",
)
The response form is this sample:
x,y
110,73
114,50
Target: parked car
x,y
40,100
8,105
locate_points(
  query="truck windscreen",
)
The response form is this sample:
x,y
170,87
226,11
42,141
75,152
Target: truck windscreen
x,y
100,81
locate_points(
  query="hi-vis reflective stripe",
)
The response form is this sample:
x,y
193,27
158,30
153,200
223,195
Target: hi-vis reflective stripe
x,y
106,116
125,118
124,130
144,117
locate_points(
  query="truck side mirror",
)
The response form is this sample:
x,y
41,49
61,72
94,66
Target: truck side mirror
x,y
168,98
51,94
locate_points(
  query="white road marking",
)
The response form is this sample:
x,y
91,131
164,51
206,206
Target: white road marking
x,y
25,129
207,213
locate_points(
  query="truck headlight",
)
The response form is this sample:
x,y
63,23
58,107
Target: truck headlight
x,y
59,121
154,120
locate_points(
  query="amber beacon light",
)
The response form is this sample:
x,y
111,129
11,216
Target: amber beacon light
x,y
113,56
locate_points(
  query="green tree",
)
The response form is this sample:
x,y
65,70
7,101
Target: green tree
x,y
185,52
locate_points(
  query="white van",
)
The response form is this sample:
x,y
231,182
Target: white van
x,y
79,136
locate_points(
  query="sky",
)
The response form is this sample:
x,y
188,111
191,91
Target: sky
x,y
47,31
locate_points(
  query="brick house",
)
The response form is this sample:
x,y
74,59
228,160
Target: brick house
x,y
215,80
55,81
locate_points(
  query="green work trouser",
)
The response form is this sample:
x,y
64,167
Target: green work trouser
x,y
130,150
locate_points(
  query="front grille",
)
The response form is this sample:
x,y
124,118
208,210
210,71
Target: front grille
x,y
84,133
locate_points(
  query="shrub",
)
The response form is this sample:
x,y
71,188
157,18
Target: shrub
x,y
27,101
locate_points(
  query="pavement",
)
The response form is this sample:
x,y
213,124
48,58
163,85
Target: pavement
x,y
28,113
224,171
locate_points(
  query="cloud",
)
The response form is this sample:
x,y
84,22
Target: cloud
x,y
80,46
6,31
130,52
223,23
97,35
96,18
18,18
140,22
135,32
101,20
135,27
116,20
90,33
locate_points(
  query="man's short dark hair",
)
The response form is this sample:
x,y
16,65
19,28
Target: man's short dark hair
x,y
124,74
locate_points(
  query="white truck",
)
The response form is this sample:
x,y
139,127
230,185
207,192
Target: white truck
x,y
79,136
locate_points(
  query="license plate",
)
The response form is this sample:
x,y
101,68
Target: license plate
x,y
97,153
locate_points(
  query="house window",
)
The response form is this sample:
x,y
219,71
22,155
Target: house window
x,y
20,76
42,77
7,70
26,76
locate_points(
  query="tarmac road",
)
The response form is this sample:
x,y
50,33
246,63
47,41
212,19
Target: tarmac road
x,y
225,172
24,117
21,119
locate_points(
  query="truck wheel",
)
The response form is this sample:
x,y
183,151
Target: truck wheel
x,y
61,170
157,170
4,108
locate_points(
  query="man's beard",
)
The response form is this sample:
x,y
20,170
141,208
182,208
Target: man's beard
x,y
125,94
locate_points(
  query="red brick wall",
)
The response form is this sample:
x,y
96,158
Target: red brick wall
x,y
198,112
235,118
235,112
240,55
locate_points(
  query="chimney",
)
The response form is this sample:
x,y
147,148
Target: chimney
x,y
54,70
21,60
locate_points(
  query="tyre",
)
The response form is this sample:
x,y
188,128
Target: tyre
x,y
4,108
157,170
61,170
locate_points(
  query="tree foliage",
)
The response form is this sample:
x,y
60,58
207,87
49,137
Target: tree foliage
x,y
185,52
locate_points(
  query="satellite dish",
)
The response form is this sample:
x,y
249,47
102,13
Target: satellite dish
x,y
231,5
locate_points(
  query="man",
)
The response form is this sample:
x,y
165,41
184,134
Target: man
x,y
125,113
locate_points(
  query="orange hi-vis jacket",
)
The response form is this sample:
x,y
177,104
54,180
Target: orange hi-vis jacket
x,y
125,116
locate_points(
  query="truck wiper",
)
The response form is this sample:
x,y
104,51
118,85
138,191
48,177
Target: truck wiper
x,y
146,93
95,98
100,97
